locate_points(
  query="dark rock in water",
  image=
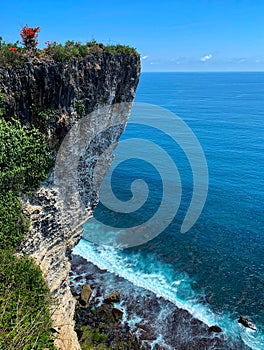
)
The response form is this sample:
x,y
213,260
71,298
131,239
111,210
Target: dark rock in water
x,y
78,278
118,314
85,295
146,332
112,298
143,326
159,347
215,329
246,323
147,336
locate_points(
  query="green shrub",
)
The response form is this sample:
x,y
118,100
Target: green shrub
x,y
24,157
45,117
98,337
73,49
59,53
11,54
24,305
113,49
13,223
80,108
2,105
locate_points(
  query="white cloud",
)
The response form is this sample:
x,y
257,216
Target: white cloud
x,y
241,60
144,57
206,57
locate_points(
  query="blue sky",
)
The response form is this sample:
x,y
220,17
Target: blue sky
x,y
171,35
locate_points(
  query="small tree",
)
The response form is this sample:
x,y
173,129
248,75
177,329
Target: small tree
x,y
29,37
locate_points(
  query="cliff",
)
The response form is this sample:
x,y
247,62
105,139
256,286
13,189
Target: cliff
x,y
56,97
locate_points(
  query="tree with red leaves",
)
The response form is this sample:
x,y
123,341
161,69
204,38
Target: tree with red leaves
x,y
29,37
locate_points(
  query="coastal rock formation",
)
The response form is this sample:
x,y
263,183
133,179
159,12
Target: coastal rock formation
x,y
85,295
102,324
112,298
246,323
215,329
118,314
54,97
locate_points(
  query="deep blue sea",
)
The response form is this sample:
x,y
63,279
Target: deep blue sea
x,y
216,269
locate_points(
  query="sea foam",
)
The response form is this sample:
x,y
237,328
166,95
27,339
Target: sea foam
x,y
149,274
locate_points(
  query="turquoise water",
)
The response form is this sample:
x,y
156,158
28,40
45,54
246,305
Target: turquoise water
x,y
216,269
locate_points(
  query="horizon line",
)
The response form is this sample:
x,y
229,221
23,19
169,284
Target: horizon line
x,y
197,71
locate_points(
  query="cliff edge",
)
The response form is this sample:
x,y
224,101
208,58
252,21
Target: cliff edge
x,y
54,97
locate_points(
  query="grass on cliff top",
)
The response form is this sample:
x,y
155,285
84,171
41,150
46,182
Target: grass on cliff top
x,y
14,54
73,49
25,322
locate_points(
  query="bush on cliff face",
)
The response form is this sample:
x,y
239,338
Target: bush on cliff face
x,y
24,296
24,163
24,157
24,305
13,224
2,105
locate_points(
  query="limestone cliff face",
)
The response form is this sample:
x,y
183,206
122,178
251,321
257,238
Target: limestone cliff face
x,y
52,96
57,97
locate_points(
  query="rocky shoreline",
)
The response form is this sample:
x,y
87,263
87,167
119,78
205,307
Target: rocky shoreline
x,y
99,325
146,321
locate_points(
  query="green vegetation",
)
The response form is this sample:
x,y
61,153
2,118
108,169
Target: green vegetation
x,y
73,49
11,53
15,54
80,108
24,305
24,157
114,49
44,119
13,224
2,105
98,328
24,297
93,338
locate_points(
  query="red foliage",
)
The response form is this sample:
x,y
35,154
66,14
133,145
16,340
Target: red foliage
x,y
29,36
50,45
12,49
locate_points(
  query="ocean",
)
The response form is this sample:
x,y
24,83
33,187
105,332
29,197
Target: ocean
x,y
215,270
